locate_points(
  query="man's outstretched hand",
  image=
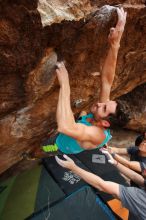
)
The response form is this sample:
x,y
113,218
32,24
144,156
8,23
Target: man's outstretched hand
x,y
116,33
68,163
62,73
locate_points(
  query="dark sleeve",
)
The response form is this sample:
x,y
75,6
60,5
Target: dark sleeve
x,y
145,184
132,150
133,199
143,165
143,168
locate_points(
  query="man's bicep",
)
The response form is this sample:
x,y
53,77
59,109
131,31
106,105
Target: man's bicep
x,y
87,133
75,130
83,132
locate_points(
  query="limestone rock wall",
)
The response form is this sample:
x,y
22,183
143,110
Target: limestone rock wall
x,y
33,35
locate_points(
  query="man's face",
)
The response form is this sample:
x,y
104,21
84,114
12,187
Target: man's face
x,y
102,110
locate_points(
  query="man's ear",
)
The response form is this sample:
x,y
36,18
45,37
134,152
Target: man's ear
x,y
105,123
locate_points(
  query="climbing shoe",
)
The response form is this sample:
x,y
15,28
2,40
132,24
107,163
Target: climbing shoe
x,y
50,148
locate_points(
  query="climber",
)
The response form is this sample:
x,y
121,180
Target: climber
x,y
92,130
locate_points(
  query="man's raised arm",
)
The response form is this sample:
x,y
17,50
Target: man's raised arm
x,y
109,66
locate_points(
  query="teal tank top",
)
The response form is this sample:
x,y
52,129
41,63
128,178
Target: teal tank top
x,y
69,145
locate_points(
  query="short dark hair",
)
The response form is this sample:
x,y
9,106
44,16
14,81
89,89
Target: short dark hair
x,y
140,138
121,116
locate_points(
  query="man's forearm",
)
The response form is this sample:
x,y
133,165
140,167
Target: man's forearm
x,y
109,66
117,150
108,73
88,177
122,160
132,175
97,182
64,113
134,165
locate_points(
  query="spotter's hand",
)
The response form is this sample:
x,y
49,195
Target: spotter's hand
x,y
108,155
68,163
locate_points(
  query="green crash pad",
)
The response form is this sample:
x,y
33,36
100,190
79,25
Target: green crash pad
x,y
27,193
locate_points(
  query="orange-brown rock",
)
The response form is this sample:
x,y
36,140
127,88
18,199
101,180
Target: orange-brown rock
x,y
33,35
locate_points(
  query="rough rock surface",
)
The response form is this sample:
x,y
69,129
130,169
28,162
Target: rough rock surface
x,y
75,31
55,11
137,102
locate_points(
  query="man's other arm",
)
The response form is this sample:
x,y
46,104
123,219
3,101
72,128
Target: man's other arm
x,y
109,66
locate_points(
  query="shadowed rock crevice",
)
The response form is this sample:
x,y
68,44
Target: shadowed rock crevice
x,y
136,99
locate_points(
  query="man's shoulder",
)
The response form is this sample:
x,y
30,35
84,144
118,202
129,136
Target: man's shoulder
x,y
131,192
96,134
132,150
